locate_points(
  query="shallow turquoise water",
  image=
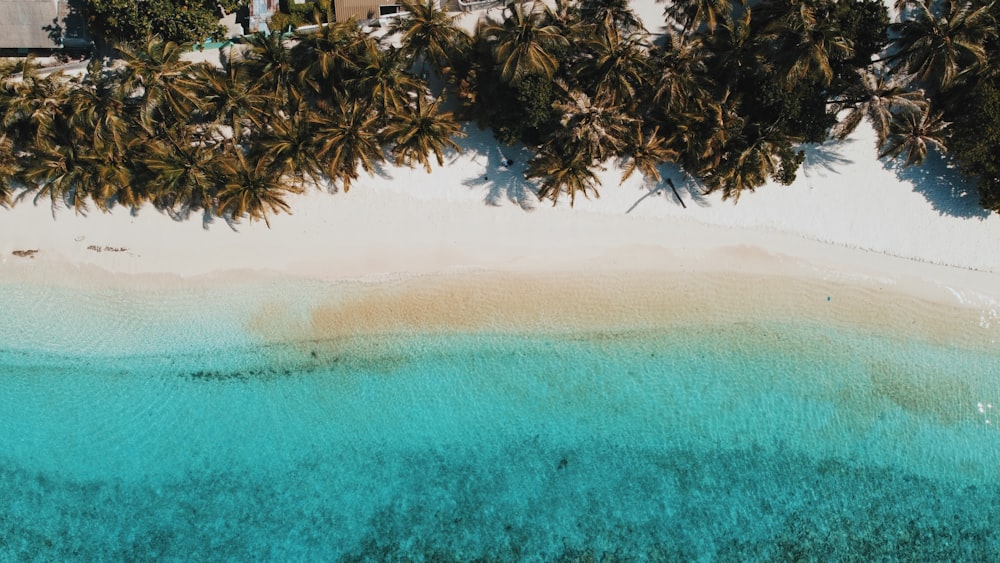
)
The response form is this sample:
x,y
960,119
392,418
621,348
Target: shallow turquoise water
x,y
133,428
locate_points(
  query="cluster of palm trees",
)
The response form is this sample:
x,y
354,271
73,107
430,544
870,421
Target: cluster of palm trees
x,y
232,141
728,91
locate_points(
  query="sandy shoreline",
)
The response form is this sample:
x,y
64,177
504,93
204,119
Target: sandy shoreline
x,y
470,246
473,221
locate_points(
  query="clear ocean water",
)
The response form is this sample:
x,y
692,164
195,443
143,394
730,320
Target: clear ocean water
x,y
146,427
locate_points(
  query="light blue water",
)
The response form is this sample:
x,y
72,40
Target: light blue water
x,y
138,428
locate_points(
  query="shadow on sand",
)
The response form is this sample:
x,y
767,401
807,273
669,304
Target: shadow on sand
x,y
501,180
826,157
685,189
941,185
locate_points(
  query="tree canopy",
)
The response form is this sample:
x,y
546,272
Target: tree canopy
x,y
729,92
181,21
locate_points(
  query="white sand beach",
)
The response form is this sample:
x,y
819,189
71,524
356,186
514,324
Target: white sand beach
x,y
848,218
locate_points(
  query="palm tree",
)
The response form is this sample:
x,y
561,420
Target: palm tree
x,y
646,153
593,130
611,15
912,132
346,138
55,146
230,98
878,97
289,145
254,191
179,179
330,56
692,14
732,47
420,131
10,169
746,166
562,171
524,41
100,105
617,67
942,49
428,33
109,180
680,76
161,83
384,83
268,60
807,39
59,171
34,106
705,138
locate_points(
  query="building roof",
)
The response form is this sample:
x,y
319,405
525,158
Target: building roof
x,y
30,24
40,24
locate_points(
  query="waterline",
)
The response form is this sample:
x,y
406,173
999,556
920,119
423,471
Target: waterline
x,y
751,439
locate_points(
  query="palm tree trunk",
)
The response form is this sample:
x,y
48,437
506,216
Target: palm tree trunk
x,y
677,195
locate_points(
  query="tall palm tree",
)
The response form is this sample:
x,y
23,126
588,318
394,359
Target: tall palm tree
x,y
230,98
289,145
704,139
616,69
345,139
100,104
420,131
10,169
594,130
680,80
428,33
110,181
35,105
326,58
646,153
941,49
160,81
179,179
562,171
692,14
733,47
750,160
268,60
524,41
59,171
877,96
384,82
807,40
56,151
912,133
249,190
611,15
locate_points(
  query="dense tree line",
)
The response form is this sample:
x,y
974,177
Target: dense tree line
x,y
227,142
181,21
728,92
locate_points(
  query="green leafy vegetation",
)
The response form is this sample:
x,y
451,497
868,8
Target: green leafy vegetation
x,y
728,93
181,21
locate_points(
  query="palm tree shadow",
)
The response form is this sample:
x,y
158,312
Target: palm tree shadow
x,y
824,158
505,189
691,190
501,182
942,186
688,188
383,169
651,191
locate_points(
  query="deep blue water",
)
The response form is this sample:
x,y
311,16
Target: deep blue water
x,y
751,441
